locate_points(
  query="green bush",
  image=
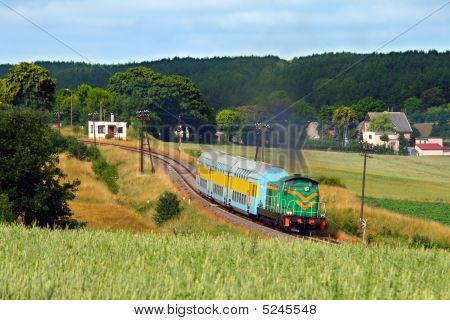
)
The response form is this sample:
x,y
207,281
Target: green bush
x,y
330,181
6,214
76,148
107,172
108,136
167,207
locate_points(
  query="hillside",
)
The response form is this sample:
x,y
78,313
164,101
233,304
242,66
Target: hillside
x,y
120,265
232,81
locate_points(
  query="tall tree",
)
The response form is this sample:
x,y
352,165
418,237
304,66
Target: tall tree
x,y
432,97
141,88
29,176
304,111
382,123
367,104
412,105
342,118
228,121
28,85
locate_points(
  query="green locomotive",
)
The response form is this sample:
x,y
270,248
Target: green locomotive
x,y
293,201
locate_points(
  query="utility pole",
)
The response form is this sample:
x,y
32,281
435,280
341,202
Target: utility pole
x,y
143,117
71,106
261,128
179,132
362,221
58,117
92,116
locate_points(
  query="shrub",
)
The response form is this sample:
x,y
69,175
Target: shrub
x,y
93,153
107,172
167,207
76,148
6,214
330,181
108,136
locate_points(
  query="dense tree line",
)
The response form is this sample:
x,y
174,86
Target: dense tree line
x,y
228,82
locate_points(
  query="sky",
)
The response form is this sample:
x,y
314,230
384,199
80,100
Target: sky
x,y
110,31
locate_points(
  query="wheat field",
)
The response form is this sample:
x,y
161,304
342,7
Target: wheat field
x,y
82,264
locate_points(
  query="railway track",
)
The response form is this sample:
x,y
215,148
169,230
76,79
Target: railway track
x,y
179,169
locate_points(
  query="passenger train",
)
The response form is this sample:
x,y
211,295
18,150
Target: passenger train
x,y
261,191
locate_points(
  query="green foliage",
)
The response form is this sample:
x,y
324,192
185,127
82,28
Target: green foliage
x,y
6,214
330,181
227,120
342,118
107,172
326,113
29,174
384,137
412,105
107,136
165,96
203,267
403,145
304,111
432,97
228,82
435,211
28,85
367,104
167,207
382,123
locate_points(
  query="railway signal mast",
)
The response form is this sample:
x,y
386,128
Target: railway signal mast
x,y
143,116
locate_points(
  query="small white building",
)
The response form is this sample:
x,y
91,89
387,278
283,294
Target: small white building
x,y
116,130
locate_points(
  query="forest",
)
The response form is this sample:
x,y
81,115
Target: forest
x,y
234,81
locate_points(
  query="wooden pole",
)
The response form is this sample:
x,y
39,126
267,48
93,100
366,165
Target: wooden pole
x,y
141,146
362,222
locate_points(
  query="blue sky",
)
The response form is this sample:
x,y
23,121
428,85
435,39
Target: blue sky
x,y
110,31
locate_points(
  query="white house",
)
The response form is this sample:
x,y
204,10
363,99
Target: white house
x,y
116,130
400,125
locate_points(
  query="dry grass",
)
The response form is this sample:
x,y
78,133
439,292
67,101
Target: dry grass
x,y
95,204
133,208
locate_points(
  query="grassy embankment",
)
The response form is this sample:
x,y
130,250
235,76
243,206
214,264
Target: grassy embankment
x,y
132,208
83,264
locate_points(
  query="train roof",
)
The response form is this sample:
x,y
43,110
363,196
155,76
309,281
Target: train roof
x,y
241,167
298,176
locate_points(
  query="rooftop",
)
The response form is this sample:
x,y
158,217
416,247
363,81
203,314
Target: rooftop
x,y
430,146
399,120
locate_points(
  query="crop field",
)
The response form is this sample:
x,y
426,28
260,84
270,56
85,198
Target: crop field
x,y
439,212
82,264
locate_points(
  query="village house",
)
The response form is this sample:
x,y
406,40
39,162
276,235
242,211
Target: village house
x,y
399,122
115,130
431,147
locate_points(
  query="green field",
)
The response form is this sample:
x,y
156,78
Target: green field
x,y
439,212
394,177
44,264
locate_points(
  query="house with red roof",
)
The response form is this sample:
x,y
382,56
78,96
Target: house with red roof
x,y
431,147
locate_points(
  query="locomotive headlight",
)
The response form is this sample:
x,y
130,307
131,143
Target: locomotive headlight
x,y
289,212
